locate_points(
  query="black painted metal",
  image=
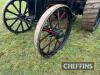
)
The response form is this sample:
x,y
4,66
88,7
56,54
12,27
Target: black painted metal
x,y
37,7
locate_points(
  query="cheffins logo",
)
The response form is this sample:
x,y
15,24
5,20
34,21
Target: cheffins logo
x,y
78,66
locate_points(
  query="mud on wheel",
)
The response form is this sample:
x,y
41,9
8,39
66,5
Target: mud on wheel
x,y
91,15
52,30
15,15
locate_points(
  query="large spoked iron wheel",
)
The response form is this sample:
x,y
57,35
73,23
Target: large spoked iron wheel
x,y
15,16
52,30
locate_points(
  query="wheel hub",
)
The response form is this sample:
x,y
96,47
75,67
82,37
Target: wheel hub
x,y
22,17
55,32
59,34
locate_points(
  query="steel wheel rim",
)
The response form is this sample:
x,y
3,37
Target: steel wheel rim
x,y
54,50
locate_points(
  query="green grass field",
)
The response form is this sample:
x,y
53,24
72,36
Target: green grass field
x,y
18,55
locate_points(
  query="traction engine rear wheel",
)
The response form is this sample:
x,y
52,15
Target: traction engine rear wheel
x,y
91,15
52,30
15,15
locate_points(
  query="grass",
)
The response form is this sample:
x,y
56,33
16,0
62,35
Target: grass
x,y
18,55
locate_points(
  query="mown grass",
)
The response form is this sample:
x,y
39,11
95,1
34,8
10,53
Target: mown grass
x,y
18,55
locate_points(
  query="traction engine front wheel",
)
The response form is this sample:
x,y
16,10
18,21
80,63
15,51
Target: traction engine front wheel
x,y
52,30
15,16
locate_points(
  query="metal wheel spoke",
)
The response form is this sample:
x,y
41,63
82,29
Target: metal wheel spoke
x,y
27,25
48,44
57,42
11,18
44,38
20,2
45,28
25,10
14,22
62,15
15,8
12,12
18,26
50,21
49,40
58,22
22,26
